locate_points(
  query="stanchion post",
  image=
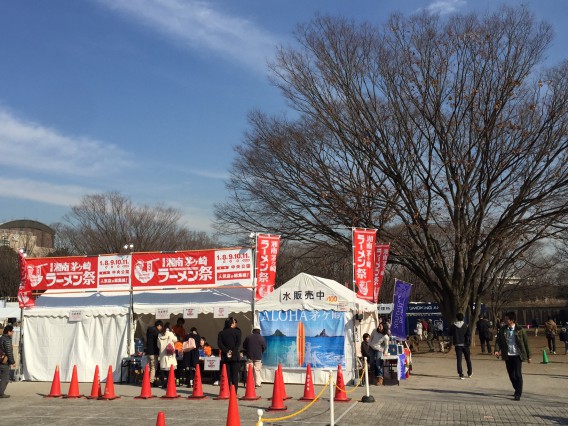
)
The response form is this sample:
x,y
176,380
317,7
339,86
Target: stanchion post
x,y
331,397
259,412
366,397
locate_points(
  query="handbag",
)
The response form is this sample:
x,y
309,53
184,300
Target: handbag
x,y
170,350
3,357
189,345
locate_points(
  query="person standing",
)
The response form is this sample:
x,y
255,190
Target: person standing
x,y
152,350
430,336
166,340
229,341
484,331
513,347
254,346
8,351
460,338
191,357
550,331
179,330
379,344
535,326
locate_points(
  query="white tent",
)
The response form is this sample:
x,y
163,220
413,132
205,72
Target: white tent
x,y
309,293
89,329
235,299
80,329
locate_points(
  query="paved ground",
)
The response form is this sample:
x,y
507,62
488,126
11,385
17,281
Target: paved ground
x,y
432,396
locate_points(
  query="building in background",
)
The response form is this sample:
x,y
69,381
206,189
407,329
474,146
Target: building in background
x,y
35,237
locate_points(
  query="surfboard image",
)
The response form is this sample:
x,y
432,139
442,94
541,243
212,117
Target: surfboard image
x,y
301,343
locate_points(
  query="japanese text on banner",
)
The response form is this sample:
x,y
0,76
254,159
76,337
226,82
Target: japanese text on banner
x,y
267,247
364,241
381,258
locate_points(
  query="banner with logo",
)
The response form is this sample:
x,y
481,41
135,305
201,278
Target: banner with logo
x,y
63,273
381,258
296,338
267,248
25,296
400,305
364,241
191,268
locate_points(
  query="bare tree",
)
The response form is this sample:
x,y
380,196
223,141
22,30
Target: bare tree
x,y
104,223
439,133
9,272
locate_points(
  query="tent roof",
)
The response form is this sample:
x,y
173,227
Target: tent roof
x,y
10,312
236,299
95,304
323,293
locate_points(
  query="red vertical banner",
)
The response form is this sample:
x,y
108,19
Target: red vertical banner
x,y
25,296
267,248
381,258
364,241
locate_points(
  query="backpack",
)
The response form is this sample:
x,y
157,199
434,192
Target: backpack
x,y
189,344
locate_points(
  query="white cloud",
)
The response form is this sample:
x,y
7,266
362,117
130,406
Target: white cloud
x,y
444,7
32,147
50,193
198,25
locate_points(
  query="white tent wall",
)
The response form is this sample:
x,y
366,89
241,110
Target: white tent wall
x,y
343,300
99,339
50,338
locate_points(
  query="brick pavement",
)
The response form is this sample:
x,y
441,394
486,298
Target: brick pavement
x,y
432,396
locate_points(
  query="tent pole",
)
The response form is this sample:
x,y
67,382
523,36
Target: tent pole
x,y
253,242
130,321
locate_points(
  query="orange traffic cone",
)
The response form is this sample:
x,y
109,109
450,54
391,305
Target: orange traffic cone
x,y
109,386
197,385
171,391
250,393
224,392
340,394
282,386
233,418
55,391
309,394
73,386
96,388
146,391
277,399
161,420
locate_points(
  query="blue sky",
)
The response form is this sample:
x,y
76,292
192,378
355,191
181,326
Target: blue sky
x,y
149,97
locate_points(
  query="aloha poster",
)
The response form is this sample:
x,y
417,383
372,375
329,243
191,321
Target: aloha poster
x,y
296,338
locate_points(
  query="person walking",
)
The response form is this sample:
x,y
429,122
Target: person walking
x,y
535,326
513,346
254,346
7,359
229,341
484,333
152,350
550,331
460,338
430,336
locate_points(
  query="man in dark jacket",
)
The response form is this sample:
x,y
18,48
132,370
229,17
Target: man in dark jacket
x,y
483,331
152,350
513,347
254,346
229,341
460,338
6,349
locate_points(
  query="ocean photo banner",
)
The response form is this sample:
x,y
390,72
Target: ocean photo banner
x,y
296,338
400,305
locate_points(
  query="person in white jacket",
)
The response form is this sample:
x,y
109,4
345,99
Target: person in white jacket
x,y
379,344
167,358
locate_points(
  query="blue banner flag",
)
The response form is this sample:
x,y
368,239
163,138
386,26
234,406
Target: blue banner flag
x,y
400,305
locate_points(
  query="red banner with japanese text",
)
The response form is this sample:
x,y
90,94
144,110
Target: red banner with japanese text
x,y
381,258
62,273
364,241
192,268
267,248
25,297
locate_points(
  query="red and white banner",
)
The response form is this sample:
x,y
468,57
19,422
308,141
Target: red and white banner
x,y
63,273
267,248
191,268
381,258
25,296
364,241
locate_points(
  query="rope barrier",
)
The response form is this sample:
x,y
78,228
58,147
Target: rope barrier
x,y
354,389
262,419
